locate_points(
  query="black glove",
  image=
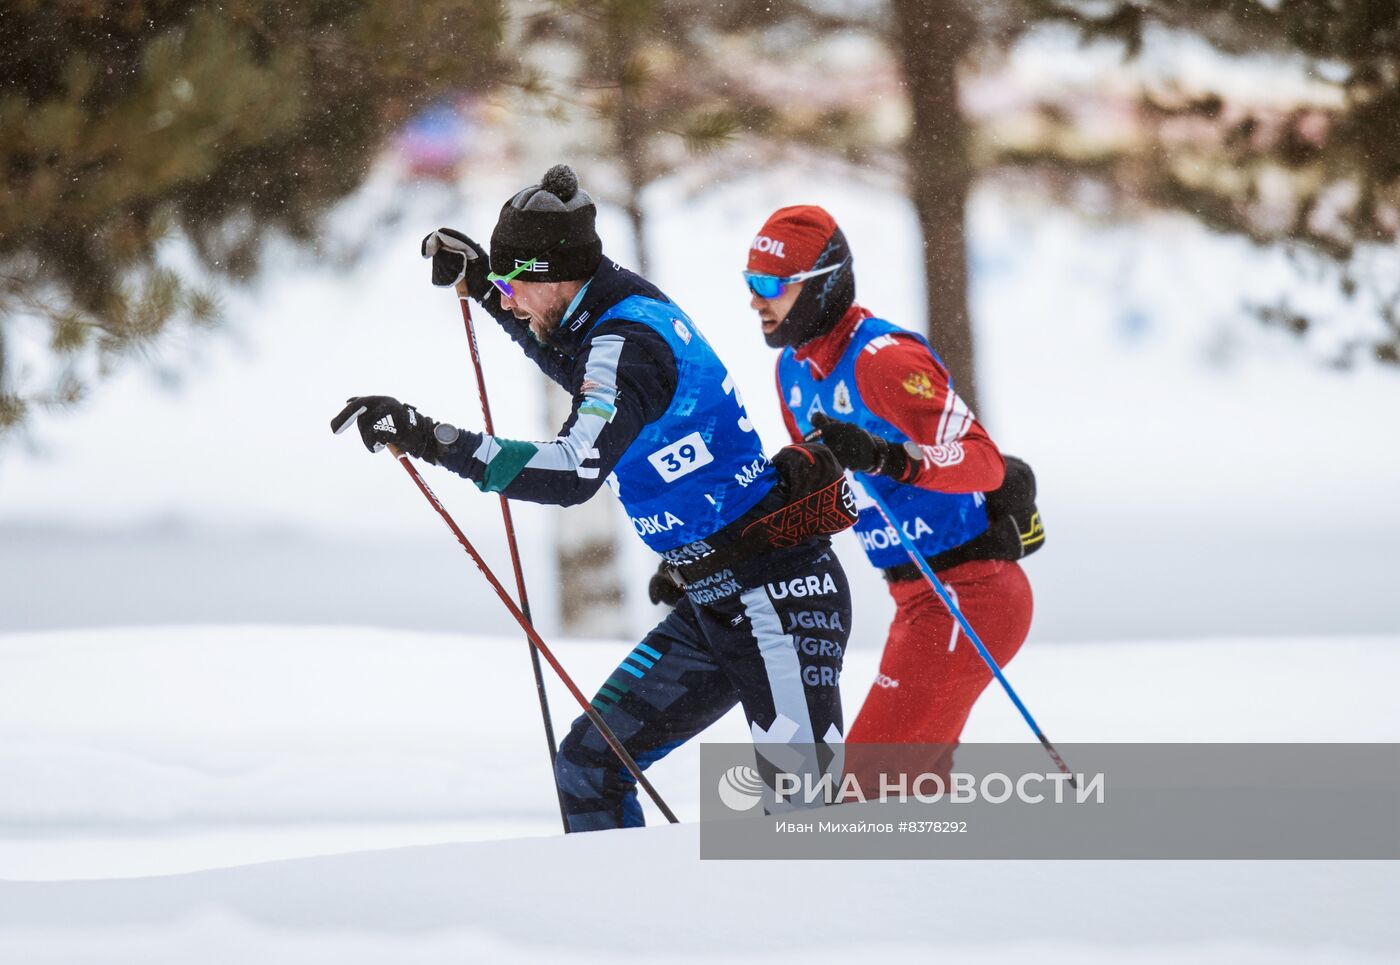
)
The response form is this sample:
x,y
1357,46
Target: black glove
x,y
457,258
861,451
383,420
662,589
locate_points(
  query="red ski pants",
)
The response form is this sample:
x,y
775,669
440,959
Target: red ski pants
x,y
930,673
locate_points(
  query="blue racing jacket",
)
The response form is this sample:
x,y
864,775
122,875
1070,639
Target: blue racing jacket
x,y
935,521
655,414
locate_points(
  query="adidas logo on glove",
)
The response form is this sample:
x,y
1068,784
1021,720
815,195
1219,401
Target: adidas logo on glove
x,y
386,424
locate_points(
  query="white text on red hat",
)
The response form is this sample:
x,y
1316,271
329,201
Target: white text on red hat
x,y
764,243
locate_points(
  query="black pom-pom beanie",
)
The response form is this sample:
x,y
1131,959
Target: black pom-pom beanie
x,y
553,223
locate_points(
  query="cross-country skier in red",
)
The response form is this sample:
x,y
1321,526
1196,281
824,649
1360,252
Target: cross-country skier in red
x,y
884,403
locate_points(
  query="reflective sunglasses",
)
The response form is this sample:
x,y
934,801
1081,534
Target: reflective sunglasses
x,y
771,286
502,282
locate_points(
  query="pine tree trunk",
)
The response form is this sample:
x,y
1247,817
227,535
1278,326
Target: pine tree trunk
x,y
5,413
590,577
932,37
636,180
591,591
630,134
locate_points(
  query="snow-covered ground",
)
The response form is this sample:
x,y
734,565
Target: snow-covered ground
x,y
641,896
145,758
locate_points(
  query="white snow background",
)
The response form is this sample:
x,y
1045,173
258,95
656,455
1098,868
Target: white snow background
x,y
230,637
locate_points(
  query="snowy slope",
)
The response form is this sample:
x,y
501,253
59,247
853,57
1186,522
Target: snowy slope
x,y
643,896
147,751
147,758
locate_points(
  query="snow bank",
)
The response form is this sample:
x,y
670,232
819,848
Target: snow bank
x,y
203,750
144,751
645,896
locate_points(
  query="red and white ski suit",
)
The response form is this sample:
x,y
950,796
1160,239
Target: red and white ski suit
x,y
930,674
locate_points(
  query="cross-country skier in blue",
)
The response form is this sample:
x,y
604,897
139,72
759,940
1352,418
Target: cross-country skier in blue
x,y
765,614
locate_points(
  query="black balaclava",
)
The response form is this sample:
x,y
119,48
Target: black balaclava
x,y
823,300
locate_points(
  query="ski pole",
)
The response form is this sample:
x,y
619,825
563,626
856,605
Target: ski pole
x,y
588,710
967,630
514,554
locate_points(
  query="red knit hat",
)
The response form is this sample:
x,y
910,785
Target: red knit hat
x,y
790,240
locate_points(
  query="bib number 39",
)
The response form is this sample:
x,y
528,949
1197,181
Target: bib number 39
x,y
685,455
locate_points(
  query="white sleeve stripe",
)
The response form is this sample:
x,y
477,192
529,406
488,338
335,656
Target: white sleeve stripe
x,y
600,371
964,421
943,419
487,450
569,453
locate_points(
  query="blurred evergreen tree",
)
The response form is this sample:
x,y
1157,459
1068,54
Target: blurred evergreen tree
x,y
935,43
669,83
1320,178
932,41
677,81
123,122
